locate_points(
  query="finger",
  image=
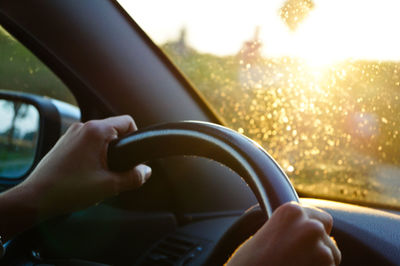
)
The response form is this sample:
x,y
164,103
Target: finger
x,y
320,215
321,254
123,124
331,244
135,177
144,172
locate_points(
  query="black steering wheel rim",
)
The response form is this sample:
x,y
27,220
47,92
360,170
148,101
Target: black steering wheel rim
x,y
260,171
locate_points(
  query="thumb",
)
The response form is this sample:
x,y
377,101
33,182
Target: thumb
x,y
136,177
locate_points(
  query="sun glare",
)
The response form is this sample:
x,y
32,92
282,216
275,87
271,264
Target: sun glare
x,y
332,31
316,82
339,30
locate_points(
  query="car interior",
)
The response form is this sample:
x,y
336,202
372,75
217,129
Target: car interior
x,y
194,210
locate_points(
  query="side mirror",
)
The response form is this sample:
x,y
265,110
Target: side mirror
x,y
29,127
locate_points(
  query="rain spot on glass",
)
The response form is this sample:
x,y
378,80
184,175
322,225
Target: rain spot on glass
x,y
333,130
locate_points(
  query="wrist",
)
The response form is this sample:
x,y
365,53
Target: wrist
x,y
20,210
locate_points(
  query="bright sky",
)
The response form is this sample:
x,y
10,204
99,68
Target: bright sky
x,y
333,30
24,125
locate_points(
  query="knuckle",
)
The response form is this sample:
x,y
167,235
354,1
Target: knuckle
x,y
313,228
328,219
90,125
128,118
92,129
325,256
291,211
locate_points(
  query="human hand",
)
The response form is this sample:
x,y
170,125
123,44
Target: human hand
x,y
74,174
294,235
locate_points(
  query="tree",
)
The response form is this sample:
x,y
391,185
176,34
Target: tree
x,y
20,110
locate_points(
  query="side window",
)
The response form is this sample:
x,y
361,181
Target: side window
x,y
21,71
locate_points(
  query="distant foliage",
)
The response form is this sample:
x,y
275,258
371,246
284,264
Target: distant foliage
x,y
334,129
20,70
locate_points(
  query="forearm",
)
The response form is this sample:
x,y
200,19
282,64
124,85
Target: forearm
x,y
18,211
72,176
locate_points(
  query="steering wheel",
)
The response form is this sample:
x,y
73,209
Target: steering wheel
x,y
248,159
260,171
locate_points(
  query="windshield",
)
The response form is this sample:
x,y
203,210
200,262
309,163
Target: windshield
x,y
315,82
